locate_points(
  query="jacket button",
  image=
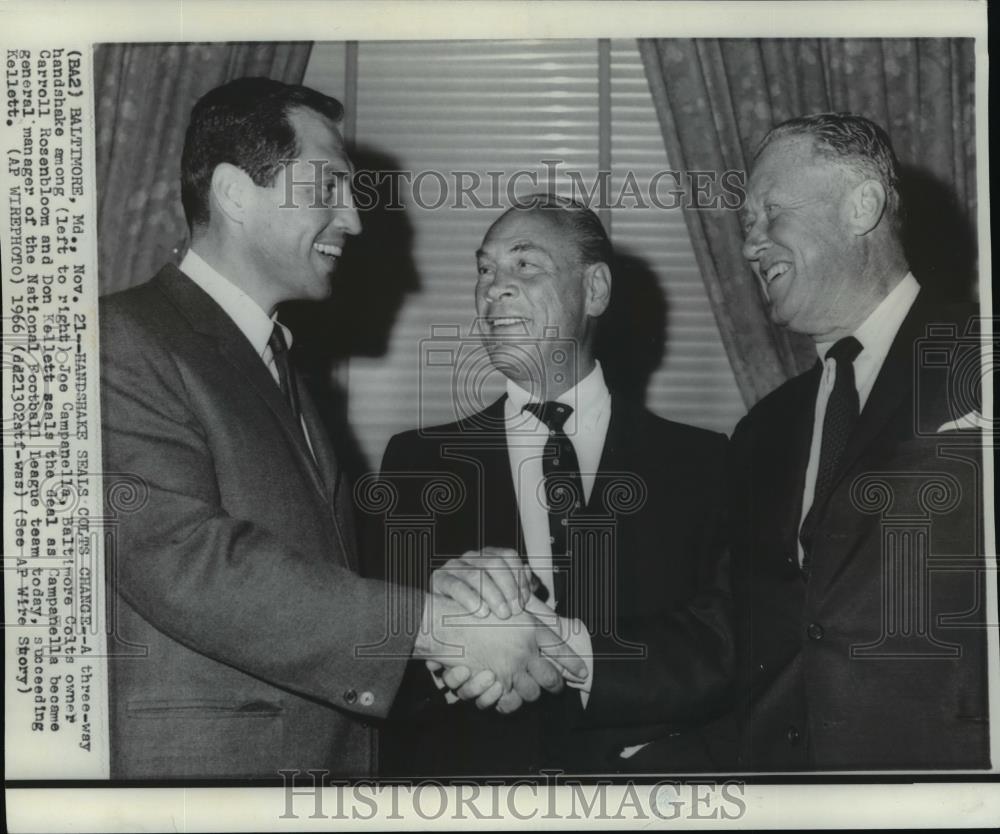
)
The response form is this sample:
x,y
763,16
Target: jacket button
x,y
793,735
814,631
350,696
367,699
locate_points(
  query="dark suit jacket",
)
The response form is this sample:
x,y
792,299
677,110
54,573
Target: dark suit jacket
x,y
237,611
664,648
877,658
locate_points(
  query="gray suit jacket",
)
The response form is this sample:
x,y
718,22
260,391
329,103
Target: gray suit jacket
x,y
239,622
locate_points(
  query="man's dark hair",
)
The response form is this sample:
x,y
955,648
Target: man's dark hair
x,y
591,240
244,123
853,141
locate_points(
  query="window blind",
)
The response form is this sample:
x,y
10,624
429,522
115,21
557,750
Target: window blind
x,y
490,109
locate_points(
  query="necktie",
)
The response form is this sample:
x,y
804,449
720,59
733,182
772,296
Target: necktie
x,y
838,423
563,495
286,379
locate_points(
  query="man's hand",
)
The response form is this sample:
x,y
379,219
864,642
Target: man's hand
x,y
492,580
481,689
510,649
486,691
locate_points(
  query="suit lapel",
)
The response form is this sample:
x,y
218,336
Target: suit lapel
x,y
617,454
502,518
209,319
477,453
892,390
323,452
792,441
336,488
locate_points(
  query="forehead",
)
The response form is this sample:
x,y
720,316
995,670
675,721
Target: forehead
x,y
791,167
318,138
537,228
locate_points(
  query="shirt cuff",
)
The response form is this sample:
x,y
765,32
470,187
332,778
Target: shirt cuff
x,y
972,420
578,640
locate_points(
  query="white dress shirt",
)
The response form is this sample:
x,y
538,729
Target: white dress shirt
x,y
876,335
586,428
247,314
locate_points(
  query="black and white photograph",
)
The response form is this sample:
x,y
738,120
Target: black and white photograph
x,y
502,422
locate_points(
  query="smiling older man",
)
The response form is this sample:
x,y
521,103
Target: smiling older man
x,y
858,574
616,512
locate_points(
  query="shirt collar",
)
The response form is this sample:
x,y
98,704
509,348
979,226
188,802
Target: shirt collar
x,y
246,313
586,397
877,332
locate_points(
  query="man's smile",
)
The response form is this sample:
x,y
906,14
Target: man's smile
x,y
328,250
775,271
517,324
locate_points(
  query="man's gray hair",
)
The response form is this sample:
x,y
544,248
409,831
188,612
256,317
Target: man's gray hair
x,y
592,243
853,141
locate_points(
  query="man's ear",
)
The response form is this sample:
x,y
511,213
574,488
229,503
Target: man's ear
x,y
597,280
231,191
866,205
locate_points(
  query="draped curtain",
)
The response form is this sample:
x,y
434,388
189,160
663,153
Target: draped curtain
x,y
716,98
144,94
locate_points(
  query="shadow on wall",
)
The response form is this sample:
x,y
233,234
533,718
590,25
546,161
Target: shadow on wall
x,y
631,340
939,237
372,280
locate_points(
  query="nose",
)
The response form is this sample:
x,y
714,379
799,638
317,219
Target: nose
x,y
345,214
499,287
347,220
755,242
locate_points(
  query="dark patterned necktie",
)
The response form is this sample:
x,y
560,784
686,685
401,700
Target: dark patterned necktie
x,y
286,379
563,495
838,423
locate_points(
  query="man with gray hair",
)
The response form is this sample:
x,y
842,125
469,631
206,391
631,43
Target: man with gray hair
x,y
857,561
616,512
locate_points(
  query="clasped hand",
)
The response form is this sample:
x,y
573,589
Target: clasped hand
x,y
505,645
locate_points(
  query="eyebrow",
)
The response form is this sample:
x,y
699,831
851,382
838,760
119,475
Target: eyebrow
x,y
520,246
527,246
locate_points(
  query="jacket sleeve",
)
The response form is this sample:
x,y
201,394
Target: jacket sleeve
x,y
420,698
685,676
224,586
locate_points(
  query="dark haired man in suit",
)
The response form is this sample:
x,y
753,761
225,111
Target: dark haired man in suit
x,y
246,641
617,513
858,570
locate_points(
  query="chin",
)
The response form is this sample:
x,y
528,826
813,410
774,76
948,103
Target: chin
x,y
321,289
777,313
516,362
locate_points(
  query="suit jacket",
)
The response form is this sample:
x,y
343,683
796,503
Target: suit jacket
x,y
663,644
238,616
876,659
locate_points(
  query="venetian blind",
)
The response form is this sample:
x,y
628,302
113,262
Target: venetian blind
x,y
447,113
